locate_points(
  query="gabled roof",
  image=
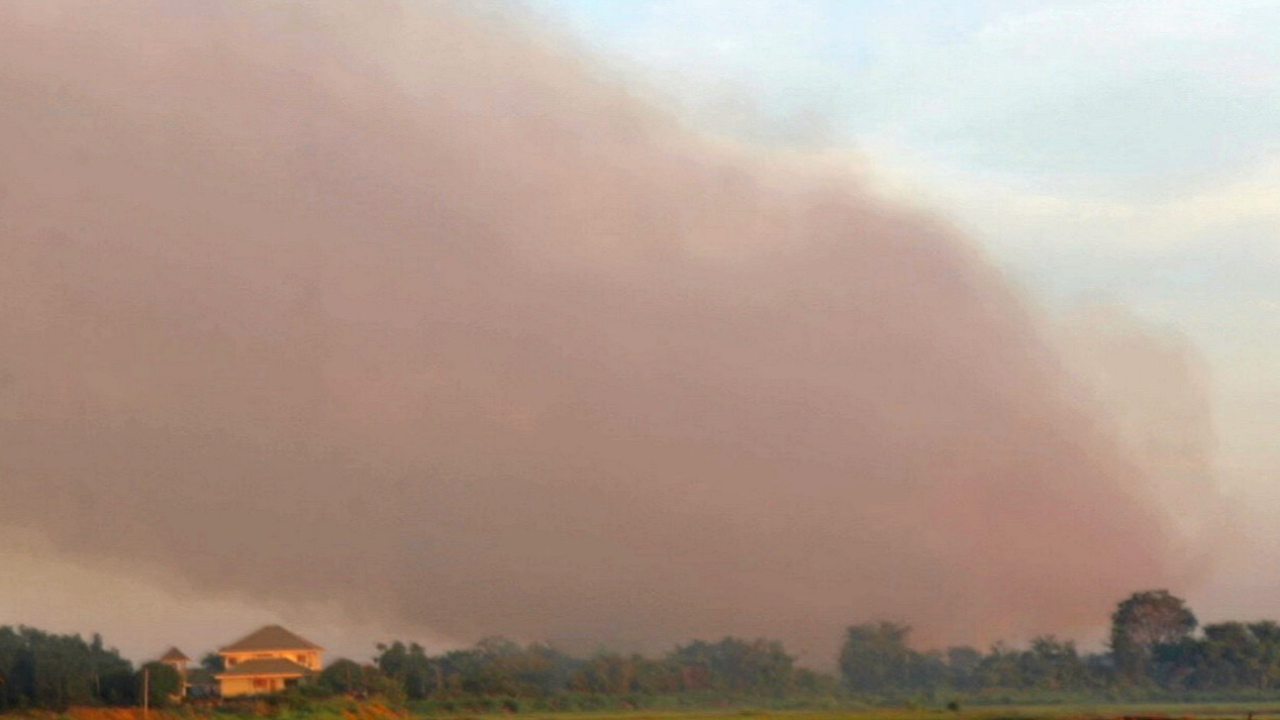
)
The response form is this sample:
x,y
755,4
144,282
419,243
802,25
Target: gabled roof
x,y
270,637
265,666
174,655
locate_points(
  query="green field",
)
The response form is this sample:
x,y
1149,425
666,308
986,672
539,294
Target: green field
x,y
357,710
1260,711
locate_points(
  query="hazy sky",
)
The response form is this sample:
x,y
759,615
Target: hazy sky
x,y
1121,152
1118,160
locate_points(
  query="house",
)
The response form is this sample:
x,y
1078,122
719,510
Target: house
x,y
196,682
175,659
267,660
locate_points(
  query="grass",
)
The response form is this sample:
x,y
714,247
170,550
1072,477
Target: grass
x,y
1263,710
1226,710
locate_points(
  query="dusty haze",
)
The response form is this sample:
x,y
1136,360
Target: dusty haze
x,y
416,313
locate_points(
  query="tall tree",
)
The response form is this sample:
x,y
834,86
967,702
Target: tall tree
x,y
48,671
875,657
1143,621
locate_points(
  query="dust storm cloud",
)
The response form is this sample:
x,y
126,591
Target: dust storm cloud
x,y
414,311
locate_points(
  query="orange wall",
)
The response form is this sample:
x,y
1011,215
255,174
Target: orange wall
x,y
232,687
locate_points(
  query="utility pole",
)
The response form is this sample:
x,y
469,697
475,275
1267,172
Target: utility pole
x,y
146,692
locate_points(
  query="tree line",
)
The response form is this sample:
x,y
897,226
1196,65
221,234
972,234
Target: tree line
x,y
1156,646
498,667
41,670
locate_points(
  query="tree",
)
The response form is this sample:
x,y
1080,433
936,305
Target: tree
x,y
606,674
1051,664
734,664
875,657
163,683
1267,635
47,671
344,677
812,682
409,665
1141,623
962,666
213,662
1230,655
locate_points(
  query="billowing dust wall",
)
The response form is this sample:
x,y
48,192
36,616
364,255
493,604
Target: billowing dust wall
x,y
417,311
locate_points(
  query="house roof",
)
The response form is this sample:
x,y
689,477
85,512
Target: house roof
x,y
265,666
174,655
270,637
